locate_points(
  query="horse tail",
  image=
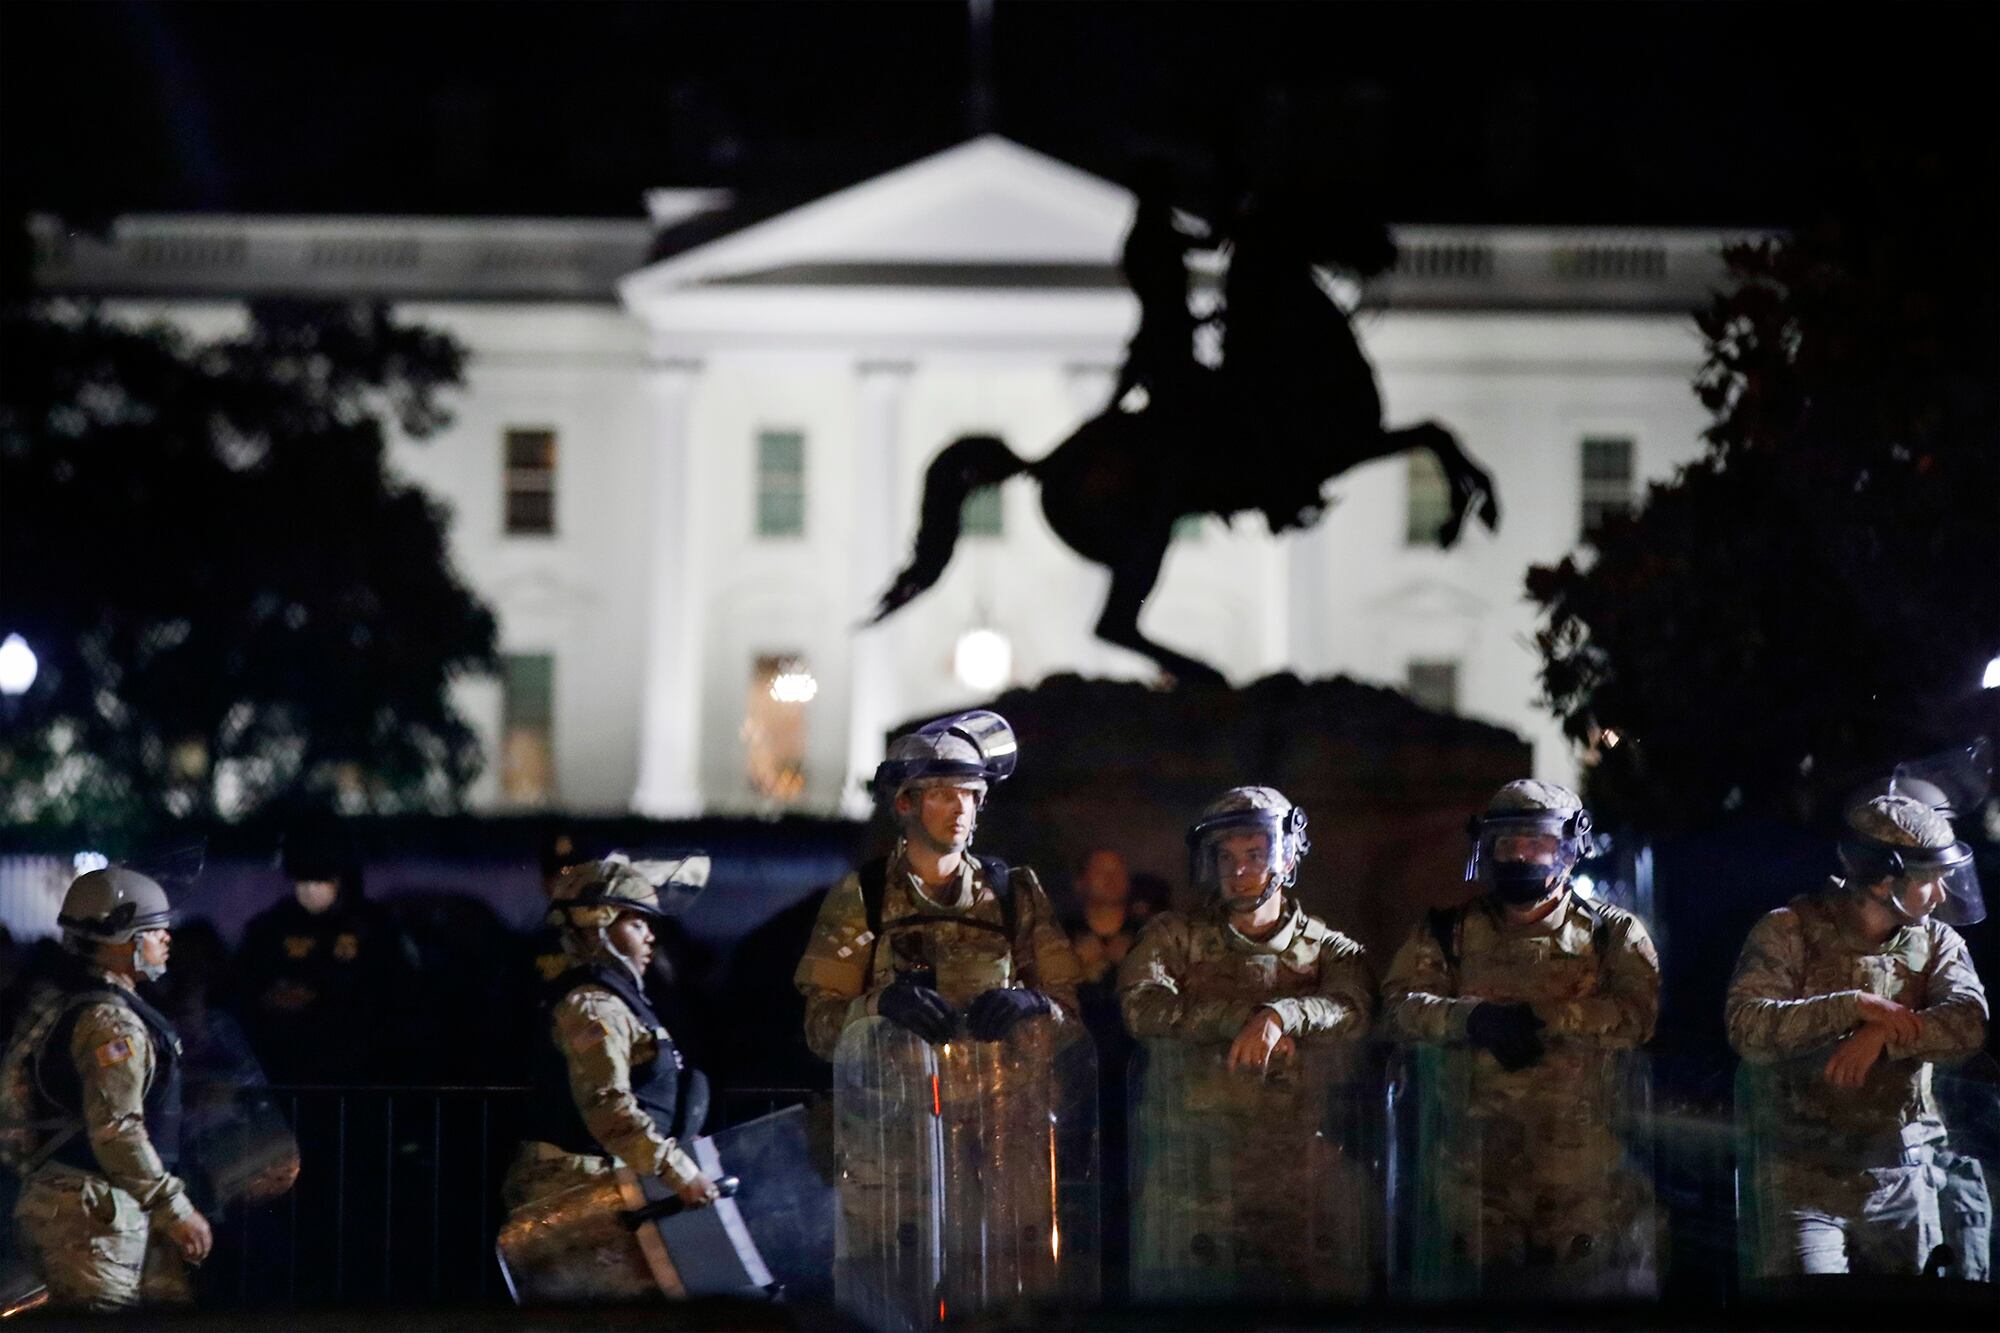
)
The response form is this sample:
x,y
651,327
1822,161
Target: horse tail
x,y
961,468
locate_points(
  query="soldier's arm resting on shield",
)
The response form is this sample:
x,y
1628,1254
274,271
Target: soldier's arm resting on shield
x,y
1420,1000
1623,1012
1953,1023
1766,1016
596,1033
1342,1004
833,975
1150,995
113,1055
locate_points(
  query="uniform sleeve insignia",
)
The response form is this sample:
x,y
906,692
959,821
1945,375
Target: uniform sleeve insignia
x,y
861,940
298,946
114,1052
346,947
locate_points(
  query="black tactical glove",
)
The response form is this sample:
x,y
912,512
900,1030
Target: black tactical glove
x,y
1510,1031
993,1015
919,1008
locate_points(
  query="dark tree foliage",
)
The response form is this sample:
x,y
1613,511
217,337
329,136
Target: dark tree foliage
x,y
1818,595
232,602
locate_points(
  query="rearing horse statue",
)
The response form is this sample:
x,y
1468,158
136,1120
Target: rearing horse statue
x,y
1293,404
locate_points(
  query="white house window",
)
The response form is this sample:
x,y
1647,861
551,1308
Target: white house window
x,y
982,516
1433,684
1428,504
774,726
527,729
781,483
531,481
1607,480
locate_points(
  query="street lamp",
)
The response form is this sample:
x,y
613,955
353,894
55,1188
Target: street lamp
x,y
1991,680
18,666
983,659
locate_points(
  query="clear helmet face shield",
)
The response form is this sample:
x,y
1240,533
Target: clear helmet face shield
x,y
1259,847
1943,883
988,733
1523,856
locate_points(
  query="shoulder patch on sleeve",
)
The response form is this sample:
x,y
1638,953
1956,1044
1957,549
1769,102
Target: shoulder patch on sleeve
x,y
114,1052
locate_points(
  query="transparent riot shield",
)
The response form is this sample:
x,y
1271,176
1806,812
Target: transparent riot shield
x,y
968,1173
785,1198
624,1237
1889,1179
1534,1184
1255,1187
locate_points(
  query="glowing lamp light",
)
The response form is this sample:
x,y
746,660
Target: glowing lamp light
x,y
1586,886
794,685
983,659
18,666
85,862
1990,681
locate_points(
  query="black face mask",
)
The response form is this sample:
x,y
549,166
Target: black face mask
x,y
1519,883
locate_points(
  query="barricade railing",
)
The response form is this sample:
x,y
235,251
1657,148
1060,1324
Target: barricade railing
x,y
397,1201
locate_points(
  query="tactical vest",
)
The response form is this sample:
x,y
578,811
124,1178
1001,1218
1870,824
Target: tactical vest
x,y
1447,927
674,1096
61,1086
874,877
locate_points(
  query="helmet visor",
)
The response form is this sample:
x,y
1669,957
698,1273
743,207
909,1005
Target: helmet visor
x,y
1241,849
1944,884
989,733
1553,841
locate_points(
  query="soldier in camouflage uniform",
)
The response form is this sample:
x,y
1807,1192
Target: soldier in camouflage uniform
x,y
92,1110
1240,1002
612,1087
1523,995
1842,1001
946,945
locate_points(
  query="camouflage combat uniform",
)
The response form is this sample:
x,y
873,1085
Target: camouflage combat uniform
x,y
1853,1176
91,1216
601,1040
1212,1142
845,968
1532,1165
988,1096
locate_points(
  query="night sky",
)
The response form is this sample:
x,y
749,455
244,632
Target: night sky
x,y
1648,113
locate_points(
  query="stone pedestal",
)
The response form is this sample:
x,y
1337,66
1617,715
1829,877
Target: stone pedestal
x,y
1388,787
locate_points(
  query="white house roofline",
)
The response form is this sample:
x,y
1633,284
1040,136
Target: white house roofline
x,y
927,212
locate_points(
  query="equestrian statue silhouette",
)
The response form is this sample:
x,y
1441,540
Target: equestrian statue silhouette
x,y
1292,405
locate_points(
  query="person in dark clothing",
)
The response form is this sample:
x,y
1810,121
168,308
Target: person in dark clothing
x,y
325,975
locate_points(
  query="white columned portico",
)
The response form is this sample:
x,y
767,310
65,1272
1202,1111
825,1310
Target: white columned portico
x,y
872,685
670,702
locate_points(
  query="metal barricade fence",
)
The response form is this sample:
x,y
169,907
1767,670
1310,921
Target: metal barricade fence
x,y
397,1200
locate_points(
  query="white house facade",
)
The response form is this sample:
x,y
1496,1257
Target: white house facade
x,y
682,484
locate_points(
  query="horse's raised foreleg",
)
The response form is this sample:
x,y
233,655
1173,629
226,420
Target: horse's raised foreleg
x,y
1132,580
1471,485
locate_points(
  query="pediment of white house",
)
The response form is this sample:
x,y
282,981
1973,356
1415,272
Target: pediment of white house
x,y
987,213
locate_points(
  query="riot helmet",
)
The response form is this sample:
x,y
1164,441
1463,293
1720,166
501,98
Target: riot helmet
x,y
589,896
114,905
1530,837
1907,843
1253,810
975,748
